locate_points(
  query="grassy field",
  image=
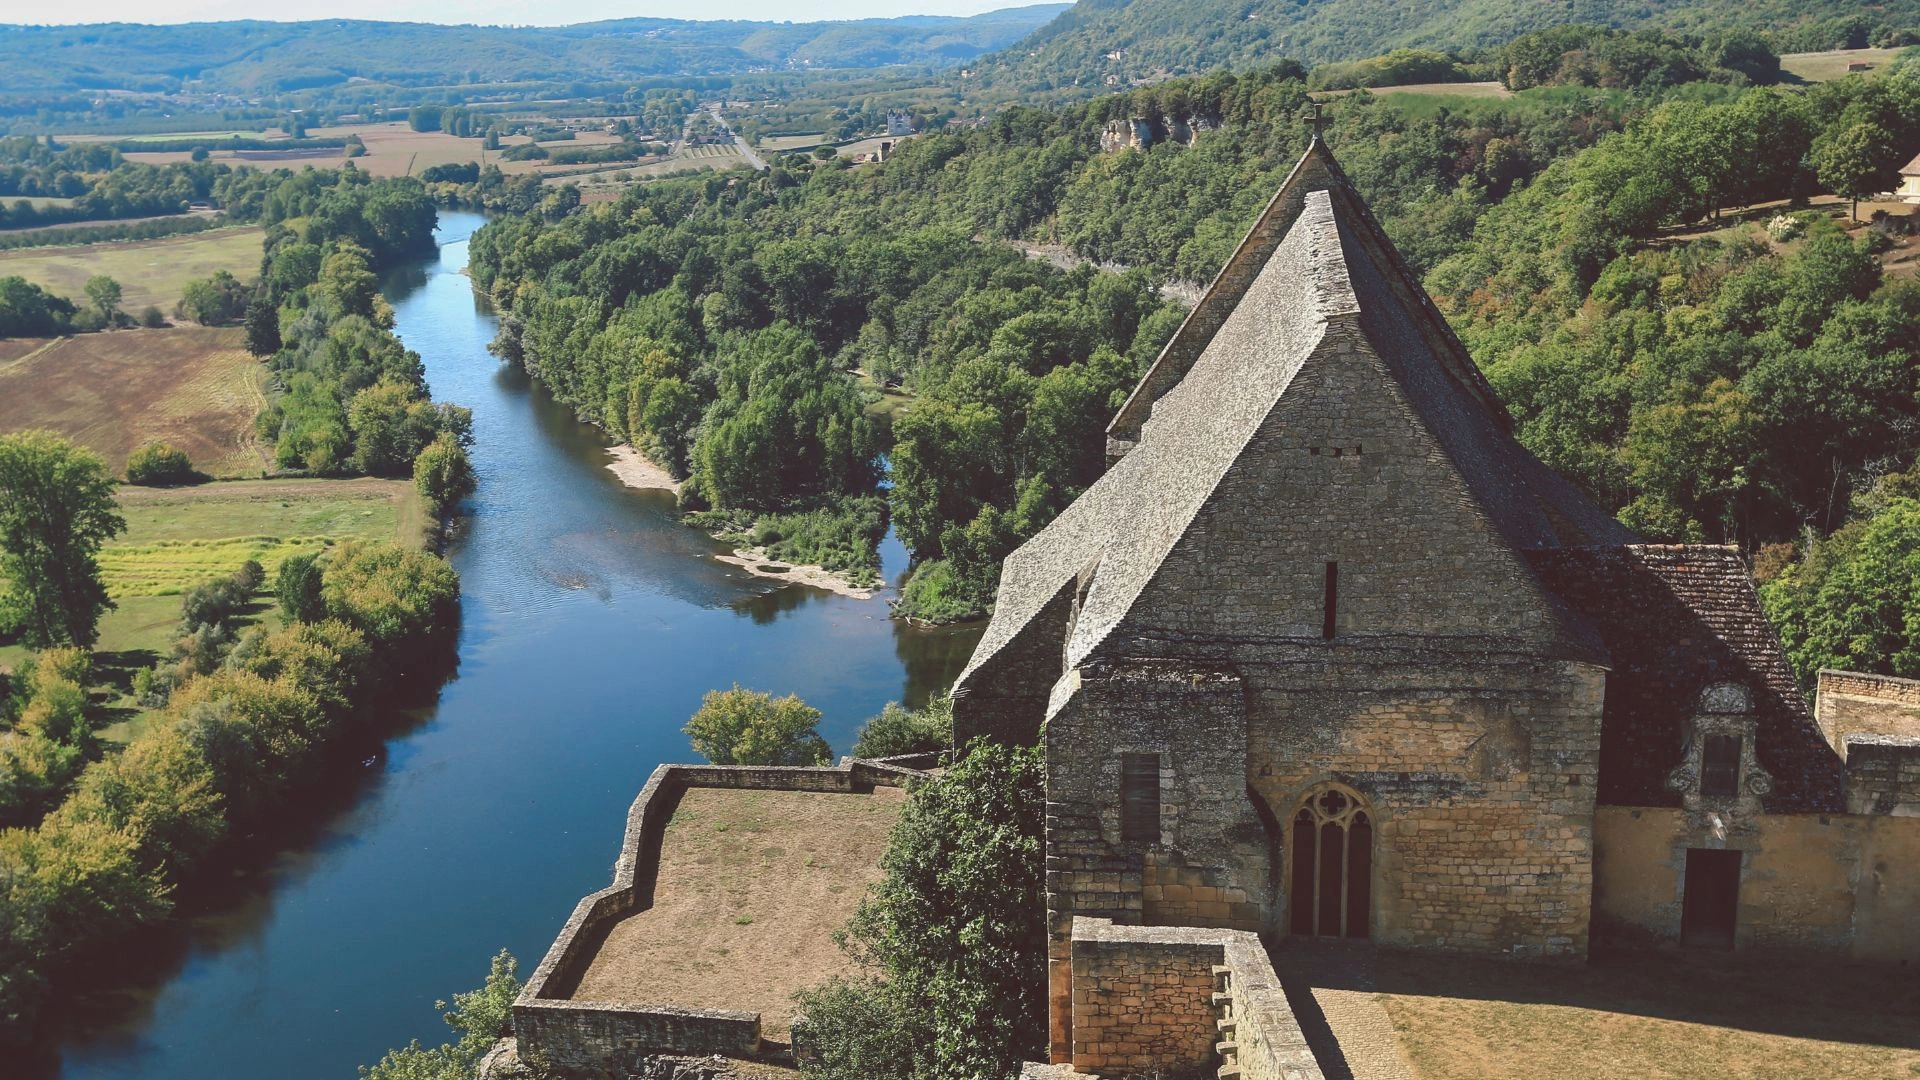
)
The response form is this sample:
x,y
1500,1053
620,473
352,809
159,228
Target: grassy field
x,y
1454,89
1643,1016
393,149
782,143
1832,64
195,387
149,271
180,537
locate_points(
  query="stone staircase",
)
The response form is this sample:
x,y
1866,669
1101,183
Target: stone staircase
x,y
1227,1048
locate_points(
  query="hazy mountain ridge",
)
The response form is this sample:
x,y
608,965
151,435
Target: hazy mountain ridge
x,y
262,57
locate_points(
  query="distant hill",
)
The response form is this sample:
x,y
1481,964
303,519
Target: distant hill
x,y
1102,41
248,58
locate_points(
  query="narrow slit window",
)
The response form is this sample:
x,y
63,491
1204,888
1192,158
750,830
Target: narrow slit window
x,y
1332,604
1140,797
1720,765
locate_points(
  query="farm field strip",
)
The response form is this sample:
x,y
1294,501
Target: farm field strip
x,y
149,271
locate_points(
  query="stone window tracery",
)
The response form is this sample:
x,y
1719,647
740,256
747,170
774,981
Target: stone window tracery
x,y
1331,837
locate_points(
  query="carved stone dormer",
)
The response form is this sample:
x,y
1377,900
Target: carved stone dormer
x,y
1718,769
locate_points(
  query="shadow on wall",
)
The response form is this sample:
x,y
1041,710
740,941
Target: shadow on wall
x,y
1798,997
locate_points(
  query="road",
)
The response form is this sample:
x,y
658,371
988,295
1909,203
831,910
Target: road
x,y
746,151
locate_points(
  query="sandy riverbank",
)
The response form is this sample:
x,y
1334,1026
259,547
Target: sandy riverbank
x,y
636,471
755,561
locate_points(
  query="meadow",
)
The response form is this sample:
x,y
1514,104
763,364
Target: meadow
x,y
195,387
1832,64
177,538
149,271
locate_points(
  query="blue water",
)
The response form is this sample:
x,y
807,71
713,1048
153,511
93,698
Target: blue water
x,y
592,623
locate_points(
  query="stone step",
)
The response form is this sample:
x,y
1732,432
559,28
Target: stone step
x,y
1225,1024
1222,999
1228,1072
1227,1048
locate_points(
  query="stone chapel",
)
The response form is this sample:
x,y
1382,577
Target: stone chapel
x,y
1326,652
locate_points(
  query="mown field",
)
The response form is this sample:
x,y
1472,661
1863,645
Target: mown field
x,y
393,149
1832,64
193,386
149,271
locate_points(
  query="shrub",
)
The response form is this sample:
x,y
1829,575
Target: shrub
x,y
855,1029
956,929
213,603
298,588
745,727
152,317
442,474
157,465
404,600
935,593
58,711
34,773
901,731
250,576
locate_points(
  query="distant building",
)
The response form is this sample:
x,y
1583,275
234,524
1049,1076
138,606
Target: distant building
x,y
900,123
1909,190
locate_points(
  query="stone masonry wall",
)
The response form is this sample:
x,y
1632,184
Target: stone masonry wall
x,y
1480,786
1006,699
1453,695
1167,1001
601,1039
1883,775
1841,884
1207,865
1857,703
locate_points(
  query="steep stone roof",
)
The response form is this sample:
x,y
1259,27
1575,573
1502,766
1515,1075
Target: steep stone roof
x,y
1315,257
1675,619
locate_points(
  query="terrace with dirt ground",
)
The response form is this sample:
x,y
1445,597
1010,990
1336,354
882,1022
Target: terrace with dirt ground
x,y
1624,1015
752,885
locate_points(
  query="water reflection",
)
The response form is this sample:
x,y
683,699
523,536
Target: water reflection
x,y
592,623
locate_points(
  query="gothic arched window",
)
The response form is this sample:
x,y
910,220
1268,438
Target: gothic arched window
x,y
1332,842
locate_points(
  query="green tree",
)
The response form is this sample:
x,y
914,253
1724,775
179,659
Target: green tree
x,y
898,730
1853,600
104,293
158,464
442,474
1857,161
263,327
745,727
298,588
954,934
56,510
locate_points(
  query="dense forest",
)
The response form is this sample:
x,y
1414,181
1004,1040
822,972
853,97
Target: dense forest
x,y
1107,42
1710,379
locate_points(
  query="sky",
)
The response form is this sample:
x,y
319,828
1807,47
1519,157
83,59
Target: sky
x,y
507,12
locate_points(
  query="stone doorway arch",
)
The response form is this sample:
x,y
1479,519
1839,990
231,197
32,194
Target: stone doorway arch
x,y
1330,864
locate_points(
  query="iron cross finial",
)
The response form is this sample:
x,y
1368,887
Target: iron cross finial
x,y
1316,120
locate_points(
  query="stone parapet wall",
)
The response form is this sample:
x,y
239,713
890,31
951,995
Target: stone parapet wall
x,y
1858,703
1167,1001
596,1039
1883,775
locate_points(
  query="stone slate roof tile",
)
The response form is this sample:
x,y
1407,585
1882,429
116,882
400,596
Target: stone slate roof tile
x,y
1315,255
1676,618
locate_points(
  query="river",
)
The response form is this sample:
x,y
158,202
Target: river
x,y
592,622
